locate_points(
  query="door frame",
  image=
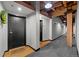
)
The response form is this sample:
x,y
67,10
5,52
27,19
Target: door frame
x,y
41,30
24,28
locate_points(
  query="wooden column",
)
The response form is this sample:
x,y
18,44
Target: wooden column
x,y
69,29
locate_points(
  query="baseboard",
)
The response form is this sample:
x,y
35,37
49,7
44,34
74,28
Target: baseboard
x,y
43,41
5,52
33,48
37,49
77,53
57,38
51,40
46,40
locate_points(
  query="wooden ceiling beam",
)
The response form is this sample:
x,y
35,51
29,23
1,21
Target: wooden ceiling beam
x,y
61,10
65,3
58,11
75,2
46,14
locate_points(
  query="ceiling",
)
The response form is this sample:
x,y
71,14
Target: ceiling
x,y
59,8
12,8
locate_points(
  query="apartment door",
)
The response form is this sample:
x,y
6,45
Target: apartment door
x,y
16,31
41,30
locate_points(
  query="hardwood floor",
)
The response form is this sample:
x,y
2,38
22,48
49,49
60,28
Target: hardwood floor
x,y
44,43
23,51
19,52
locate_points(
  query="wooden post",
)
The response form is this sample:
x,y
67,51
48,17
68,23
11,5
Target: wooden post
x,y
69,29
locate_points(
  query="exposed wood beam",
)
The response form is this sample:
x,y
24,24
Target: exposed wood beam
x,y
57,4
58,11
61,10
65,3
75,2
74,7
44,13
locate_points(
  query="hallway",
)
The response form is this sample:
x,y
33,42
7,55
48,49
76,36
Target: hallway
x,y
35,25
56,48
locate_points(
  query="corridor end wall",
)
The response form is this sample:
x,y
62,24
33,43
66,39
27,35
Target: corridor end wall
x,y
58,28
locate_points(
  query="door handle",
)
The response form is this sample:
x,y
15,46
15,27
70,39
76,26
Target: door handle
x,y
11,32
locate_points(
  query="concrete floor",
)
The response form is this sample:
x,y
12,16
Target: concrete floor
x,y
56,48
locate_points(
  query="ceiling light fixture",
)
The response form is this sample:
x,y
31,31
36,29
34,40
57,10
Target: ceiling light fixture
x,y
48,5
19,8
64,21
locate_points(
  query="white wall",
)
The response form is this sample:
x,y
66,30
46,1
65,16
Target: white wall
x,y
77,26
3,35
46,27
33,28
64,29
50,29
31,31
58,28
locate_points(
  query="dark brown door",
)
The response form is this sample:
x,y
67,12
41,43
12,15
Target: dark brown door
x,y
16,27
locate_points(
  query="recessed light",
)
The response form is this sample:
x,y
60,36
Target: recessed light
x,y
48,5
64,21
19,8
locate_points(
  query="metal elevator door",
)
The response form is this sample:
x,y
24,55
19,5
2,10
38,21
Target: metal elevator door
x,y
16,27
